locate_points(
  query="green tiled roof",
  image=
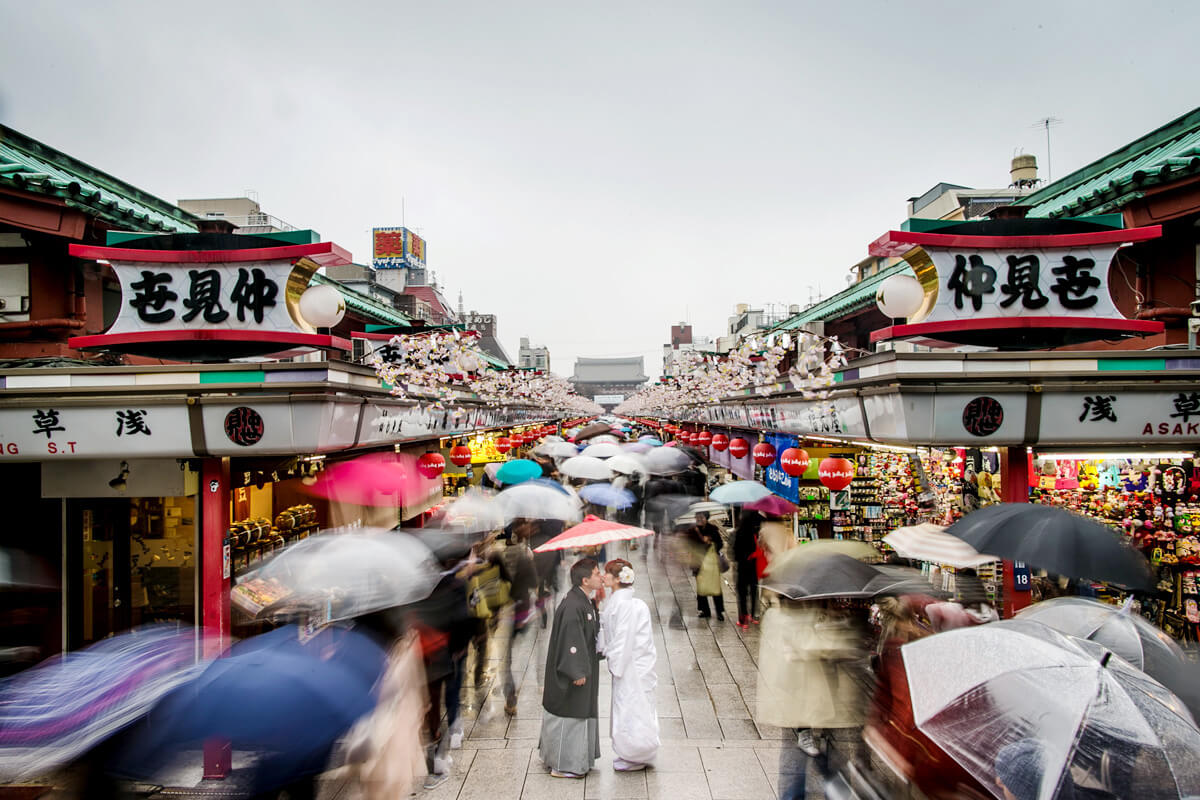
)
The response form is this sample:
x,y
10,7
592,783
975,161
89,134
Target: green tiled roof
x,y
365,304
30,166
852,298
1161,156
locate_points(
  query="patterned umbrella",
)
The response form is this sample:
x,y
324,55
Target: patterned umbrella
x,y
592,532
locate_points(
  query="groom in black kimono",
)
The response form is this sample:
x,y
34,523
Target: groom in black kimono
x,y
570,740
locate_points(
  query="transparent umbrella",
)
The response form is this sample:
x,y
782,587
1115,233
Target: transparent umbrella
x,y
535,500
627,464
602,450
1048,716
666,461
476,511
738,492
587,468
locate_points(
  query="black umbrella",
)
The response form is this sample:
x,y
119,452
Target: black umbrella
x,y
595,429
834,575
1055,540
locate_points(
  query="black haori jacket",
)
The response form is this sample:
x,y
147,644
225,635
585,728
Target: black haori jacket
x,y
571,656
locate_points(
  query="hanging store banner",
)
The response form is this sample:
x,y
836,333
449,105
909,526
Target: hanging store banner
x,y
743,467
838,416
55,431
774,478
1122,417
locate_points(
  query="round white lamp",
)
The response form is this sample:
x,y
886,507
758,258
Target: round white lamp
x,y
900,296
322,306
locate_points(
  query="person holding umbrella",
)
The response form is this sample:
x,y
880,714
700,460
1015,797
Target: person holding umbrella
x,y
708,575
570,736
745,555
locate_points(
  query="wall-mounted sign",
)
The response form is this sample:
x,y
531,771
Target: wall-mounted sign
x,y
395,248
244,426
982,416
1014,291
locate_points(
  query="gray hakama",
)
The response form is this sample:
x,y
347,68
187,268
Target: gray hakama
x,y
569,744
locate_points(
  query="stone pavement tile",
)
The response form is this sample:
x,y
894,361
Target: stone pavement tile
x,y
727,701
701,728
525,744
535,762
495,774
735,774
678,758
770,733
524,728
544,786
715,671
671,728
603,783
484,744
738,728
450,790
677,785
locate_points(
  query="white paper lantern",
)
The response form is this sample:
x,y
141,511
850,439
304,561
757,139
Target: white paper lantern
x,y
322,306
900,296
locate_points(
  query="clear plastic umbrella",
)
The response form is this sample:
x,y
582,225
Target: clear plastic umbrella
x,y
586,468
666,461
738,492
602,450
343,575
535,500
1048,716
627,464
556,449
476,511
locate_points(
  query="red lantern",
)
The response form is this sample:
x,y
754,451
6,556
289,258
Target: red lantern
x,y
836,473
719,442
794,461
431,465
503,445
739,447
460,455
764,454
704,438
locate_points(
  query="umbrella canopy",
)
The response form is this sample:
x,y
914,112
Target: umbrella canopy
x,y
1055,540
929,542
475,511
772,504
554,437
739,492
607,495
640,448
557,450
587,468
518,470
795,558
602,450
1126,633
57,711
592,532
595,429
666,461
348,574
627,464
373,479
604,438
716,512
653,441
1048,715
827,576
536,500
273,693
895,580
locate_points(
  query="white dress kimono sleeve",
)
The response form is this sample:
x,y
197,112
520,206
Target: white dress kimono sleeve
x,y
631,656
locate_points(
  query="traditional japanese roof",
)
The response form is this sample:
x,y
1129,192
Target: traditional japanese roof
x,y
853,298
364,305
1108,184
610,370
30,166
490,347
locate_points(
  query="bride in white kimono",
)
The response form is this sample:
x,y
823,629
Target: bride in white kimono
x,y
627,644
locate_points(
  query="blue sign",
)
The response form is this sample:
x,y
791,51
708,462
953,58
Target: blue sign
x,y
1021,577
774,478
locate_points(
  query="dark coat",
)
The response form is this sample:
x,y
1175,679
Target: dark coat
x,y
571,656
745,538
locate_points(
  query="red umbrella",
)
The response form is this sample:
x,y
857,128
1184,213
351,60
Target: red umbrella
x,y
592,532
375,479
773,505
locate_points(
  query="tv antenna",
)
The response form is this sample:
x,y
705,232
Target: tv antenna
x,y
1048,123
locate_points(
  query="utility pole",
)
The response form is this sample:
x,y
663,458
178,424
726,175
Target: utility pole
x,y
1047,123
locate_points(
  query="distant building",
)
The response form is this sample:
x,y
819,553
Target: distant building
x,y
485,326
608,381
244,213
533,357
682,340
747,321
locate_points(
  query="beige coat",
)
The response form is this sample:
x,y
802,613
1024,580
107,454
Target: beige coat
x,y
775,538
811,669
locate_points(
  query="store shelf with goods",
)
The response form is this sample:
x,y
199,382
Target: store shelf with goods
x,y
252,540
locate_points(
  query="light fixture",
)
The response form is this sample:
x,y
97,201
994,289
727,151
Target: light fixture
x,y
900,296
118,483
322,306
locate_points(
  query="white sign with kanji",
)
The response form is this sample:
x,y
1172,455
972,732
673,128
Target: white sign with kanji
x,y
1035,282
239,296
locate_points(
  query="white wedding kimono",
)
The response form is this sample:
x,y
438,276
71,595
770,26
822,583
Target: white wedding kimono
x,y
628,646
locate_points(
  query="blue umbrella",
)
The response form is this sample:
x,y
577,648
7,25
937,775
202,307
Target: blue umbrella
x,y
607,495
518,470
274,693
651,440
738,492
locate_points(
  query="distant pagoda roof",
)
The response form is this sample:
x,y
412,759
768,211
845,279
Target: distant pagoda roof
x,y
610,370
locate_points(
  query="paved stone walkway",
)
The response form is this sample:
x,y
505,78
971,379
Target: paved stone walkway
x,y
712,748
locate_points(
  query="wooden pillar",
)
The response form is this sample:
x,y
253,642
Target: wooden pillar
x,y
215,577
1014,488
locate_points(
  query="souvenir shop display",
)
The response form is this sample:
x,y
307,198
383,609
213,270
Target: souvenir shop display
x,y
250,540
812,511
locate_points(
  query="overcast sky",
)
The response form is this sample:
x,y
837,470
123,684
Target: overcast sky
x,y
594,172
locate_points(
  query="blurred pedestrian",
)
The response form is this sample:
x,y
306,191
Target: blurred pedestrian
x,y
746,554
1019,770
519,566
570,736
707,538
545,564
627,643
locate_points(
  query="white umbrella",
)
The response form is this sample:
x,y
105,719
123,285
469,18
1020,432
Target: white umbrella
x,y
603,438
557,449
666,461
538,500
602,450
929,542
716,513
476,511
627,464
553,437
587,468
